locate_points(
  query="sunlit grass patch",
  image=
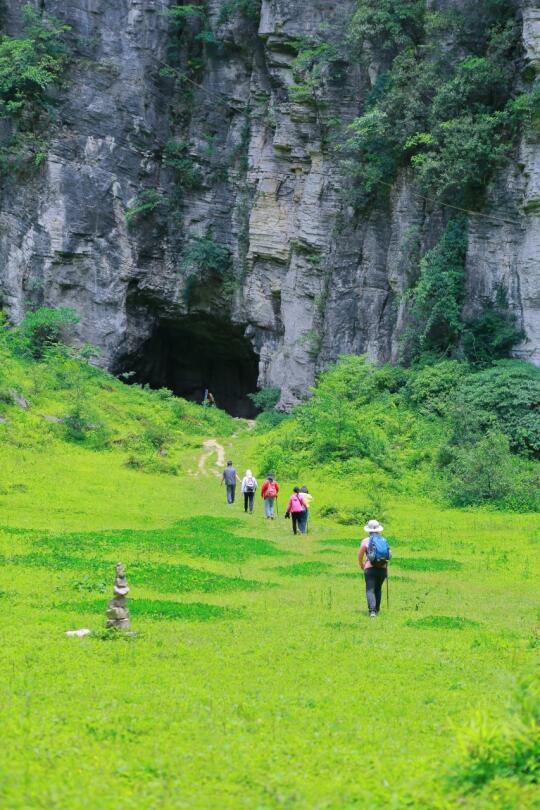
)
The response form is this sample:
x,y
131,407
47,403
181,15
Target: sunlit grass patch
x,y
208,537
426,564
442,623
158,609
302,569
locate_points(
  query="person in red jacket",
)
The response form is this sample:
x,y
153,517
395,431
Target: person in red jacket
x,y
297,510
269,493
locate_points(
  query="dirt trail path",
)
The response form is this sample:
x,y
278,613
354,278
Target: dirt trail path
x,y
210,447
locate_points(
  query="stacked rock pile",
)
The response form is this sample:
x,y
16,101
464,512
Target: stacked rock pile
x,y
117,610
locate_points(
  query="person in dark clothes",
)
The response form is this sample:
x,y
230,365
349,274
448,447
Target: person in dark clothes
x,y
230,478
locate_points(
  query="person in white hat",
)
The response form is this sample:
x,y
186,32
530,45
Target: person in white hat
x,y
373,558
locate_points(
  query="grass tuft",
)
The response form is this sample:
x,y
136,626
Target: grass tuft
x,y
442,623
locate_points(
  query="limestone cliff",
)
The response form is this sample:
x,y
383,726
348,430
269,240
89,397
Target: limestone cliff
x,y
309,279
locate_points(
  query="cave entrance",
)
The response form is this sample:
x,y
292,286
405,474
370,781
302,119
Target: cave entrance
x,y
196,354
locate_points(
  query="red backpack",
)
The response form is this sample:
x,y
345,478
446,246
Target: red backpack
x,y
271,490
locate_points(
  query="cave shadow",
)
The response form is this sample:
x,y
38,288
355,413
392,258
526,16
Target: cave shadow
x,y
195,354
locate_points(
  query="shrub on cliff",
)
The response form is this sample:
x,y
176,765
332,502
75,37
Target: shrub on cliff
x,y
437,298
29,66
44,328
144,205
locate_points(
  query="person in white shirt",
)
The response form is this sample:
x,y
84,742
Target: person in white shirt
x,y
249,487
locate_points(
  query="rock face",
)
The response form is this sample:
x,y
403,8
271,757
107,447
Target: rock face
x,y
312,280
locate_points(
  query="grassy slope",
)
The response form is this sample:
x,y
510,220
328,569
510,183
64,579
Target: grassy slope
x,y
297,700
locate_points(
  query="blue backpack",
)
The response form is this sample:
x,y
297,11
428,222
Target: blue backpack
x,y
378,550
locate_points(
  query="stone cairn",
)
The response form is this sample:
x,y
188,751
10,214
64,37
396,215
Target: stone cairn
x,y
117,609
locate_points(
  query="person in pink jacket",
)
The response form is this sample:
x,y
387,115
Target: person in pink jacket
x,y
297,511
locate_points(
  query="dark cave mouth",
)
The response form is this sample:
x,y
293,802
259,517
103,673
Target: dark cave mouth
x,y
196,354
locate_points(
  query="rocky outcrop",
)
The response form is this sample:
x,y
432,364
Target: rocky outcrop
x,y
310,280
504,248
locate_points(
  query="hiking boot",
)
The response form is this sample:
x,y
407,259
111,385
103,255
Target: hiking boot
x,y
372,614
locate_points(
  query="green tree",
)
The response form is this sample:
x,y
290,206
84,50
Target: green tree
x,y
337,425
505,398
388,24
483,472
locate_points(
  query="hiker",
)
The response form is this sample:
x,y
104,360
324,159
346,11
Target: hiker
x,y
269,494
373,558
230,478
307,500
296,509
249,486
208,399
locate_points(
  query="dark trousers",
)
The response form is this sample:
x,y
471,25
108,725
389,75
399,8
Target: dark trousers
x,y
374,581
298,522
248,501
231,489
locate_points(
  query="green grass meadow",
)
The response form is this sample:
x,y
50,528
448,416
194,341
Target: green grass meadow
x,y
255,678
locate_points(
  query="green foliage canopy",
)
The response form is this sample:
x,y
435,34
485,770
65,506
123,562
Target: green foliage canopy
x,y
444,110
505,397
31,65
438,296
390,24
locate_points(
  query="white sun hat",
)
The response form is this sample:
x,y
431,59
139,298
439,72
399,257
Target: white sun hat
x,y
373,526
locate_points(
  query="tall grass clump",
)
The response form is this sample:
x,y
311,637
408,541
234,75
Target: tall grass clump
x,y
508,750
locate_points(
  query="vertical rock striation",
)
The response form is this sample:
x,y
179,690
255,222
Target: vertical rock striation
x,y
311,280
